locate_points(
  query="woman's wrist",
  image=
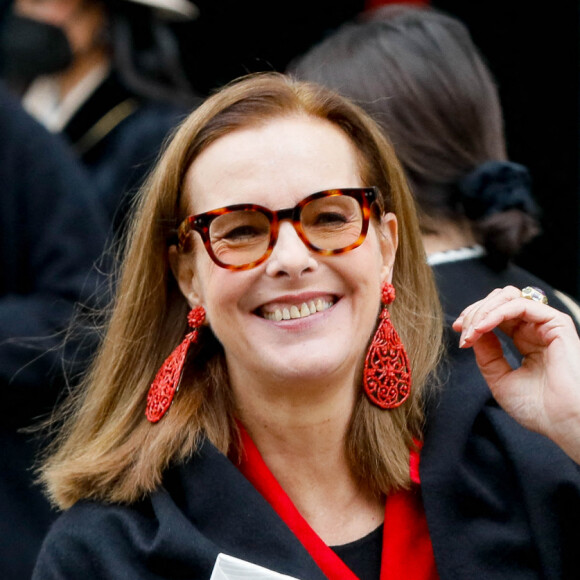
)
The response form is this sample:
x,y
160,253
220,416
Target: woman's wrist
x,y
567,437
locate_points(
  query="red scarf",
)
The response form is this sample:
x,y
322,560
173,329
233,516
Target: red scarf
x,y
407,551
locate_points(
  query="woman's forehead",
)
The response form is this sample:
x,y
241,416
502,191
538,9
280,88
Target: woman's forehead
x,y
289,157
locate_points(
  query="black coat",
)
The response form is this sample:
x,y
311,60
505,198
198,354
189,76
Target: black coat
x,y
501,503
51,233
118,135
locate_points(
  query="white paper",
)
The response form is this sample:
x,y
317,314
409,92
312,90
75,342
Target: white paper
x,y
230,568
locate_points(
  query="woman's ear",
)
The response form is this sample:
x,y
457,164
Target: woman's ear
x,y
388,240
183,270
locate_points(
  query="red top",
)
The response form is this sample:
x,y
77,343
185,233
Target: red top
x,y
407,551
372,4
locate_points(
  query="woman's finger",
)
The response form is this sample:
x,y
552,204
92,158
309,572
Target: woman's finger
x,y
481,308
511,315
469,310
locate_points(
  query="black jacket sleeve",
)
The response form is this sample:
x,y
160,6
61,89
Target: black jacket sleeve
x,y
53,232
501,502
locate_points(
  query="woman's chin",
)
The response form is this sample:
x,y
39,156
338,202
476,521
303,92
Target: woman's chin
x,y
306,363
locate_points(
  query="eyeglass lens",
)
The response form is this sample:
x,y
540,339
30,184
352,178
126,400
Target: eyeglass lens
x,y
328,224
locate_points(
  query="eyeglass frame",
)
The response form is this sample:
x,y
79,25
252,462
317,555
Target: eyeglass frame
x,y
200,223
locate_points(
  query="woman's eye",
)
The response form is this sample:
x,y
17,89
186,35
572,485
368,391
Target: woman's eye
x,y
330,218
242,233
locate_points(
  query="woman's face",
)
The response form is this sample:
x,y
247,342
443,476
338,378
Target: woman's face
x,y
276,165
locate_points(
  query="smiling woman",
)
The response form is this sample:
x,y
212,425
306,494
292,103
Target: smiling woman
x,y
284,420
241,148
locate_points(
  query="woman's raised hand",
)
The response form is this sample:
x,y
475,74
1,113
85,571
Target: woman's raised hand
x,y
543,394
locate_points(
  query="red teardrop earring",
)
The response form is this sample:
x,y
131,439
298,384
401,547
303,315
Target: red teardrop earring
x,y
387,372
168,377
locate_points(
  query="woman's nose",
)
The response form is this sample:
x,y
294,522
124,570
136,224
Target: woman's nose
x,y
290,255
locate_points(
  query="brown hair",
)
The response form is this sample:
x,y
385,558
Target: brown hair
x,y
107,450
417,72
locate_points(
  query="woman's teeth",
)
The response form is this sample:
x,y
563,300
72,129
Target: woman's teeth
x,y
301,311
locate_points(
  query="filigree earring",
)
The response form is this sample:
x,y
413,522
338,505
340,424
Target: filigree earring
x,y
387,372
166,382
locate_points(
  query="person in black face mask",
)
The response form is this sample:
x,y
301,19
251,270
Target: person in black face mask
x,y
50,48
31,48
107,75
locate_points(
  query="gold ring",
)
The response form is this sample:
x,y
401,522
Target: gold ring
x,y
534,293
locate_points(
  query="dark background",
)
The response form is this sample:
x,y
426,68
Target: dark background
x,y
533,51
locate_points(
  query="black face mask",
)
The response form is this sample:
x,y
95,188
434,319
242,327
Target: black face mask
x,y
30,48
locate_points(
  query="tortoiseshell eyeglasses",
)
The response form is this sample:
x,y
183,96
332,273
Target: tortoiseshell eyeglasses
x,y
240,237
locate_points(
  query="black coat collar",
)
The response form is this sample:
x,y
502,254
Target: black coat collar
x,y
105,108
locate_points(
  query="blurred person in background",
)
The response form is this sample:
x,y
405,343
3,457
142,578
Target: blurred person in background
x,y
107,75
418,73
52,232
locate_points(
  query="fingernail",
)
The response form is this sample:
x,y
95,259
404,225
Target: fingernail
x,y
465,336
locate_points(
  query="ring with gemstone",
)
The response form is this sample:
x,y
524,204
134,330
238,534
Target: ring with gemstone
x,y
534,293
